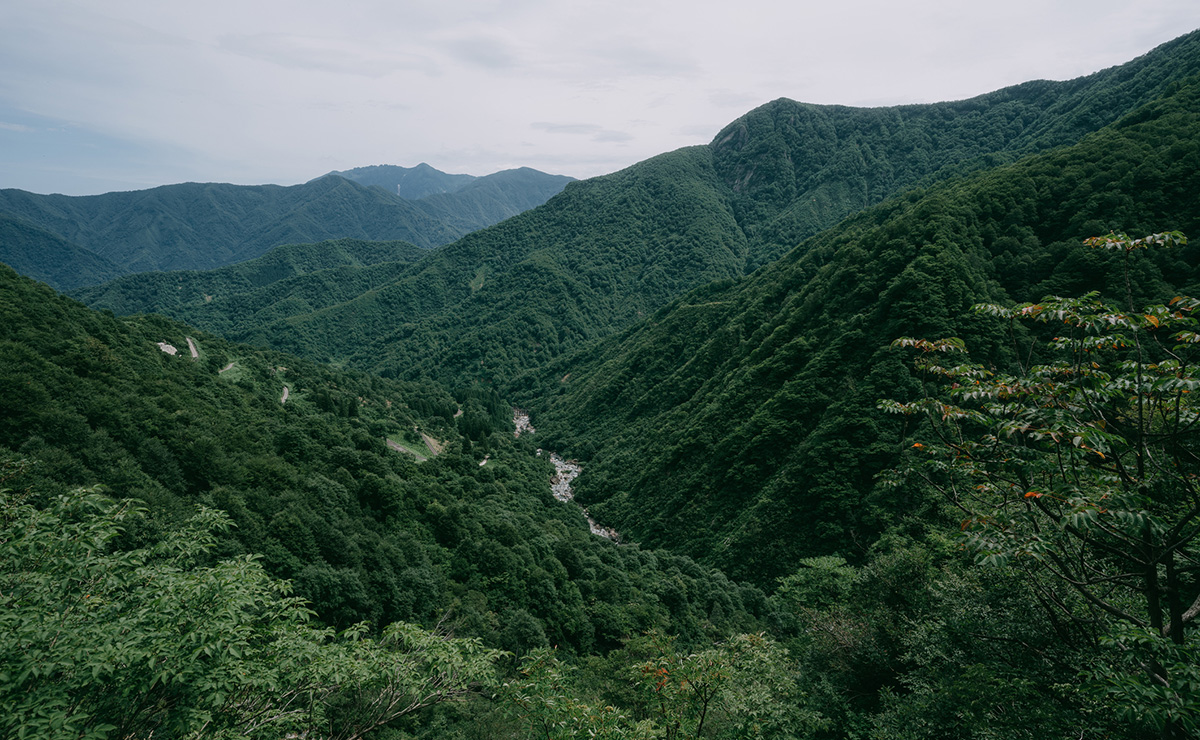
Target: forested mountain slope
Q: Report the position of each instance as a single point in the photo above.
(597, 256)
(796, 169)
(613, 249)
(364, 528)
(291, 275)
(492, 198)
(739, 424)
(195, 226)
(33, 251)
(411, 183)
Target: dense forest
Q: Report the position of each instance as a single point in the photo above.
(286, 279)
(201, 226)
(330, 485)
(744, 404)
(892, 410)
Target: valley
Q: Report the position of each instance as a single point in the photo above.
(847, 426)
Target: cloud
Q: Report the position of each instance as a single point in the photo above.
(324, 55)
(733, 99)
(284, 90)
(487, 52)
(585, 129)
(590, 130)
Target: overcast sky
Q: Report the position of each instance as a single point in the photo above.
(129, 94)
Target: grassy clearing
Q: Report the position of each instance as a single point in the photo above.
(232, 372)
(402, 447)
(477, 281)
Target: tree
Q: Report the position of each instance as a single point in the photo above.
(158, 641)
(1084, 472)
(540, 696)
(744, 687)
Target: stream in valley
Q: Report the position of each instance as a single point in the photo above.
(565, 471)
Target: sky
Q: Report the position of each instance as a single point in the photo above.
(132, 94)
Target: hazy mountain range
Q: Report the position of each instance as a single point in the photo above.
(203, 226)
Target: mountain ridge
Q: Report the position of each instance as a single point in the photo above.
(753, 401)
(610, 250)
(208, 225)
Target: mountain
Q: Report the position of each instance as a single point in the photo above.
(751, 404)
(410, 183)
(464, 200)
(609, 251)
(714, 358)
(324, 474)
(492, 198)
(196, 226)
(293, 275)
(45, 256)
(795, 169)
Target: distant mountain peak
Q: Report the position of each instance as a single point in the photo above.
(424, 180)
(411, 183)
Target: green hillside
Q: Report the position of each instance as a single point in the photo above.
(196, 226)
(744, 405)
(598, 256)
(365, 531)
(492, 198)
(611, 250)
(47, 257)
(796, 169)
(709, 334)
(282, 277)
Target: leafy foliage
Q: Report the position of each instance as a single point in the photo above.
(364, 531)
(101, 643)
(737, 423)
(1084, 467)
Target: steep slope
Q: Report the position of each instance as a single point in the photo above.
(608, 251)
(739, 423)
(283, 276)
(596, 256)
(796, 169)
(365, 531)
(47, 257)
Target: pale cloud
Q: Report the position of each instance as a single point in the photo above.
(590, 130)
(283, 90)
(488, 52)
(732, 99)
(336, 56)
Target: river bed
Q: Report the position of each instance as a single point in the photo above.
(565, 471)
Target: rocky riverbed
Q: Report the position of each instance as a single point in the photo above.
(565, 471)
